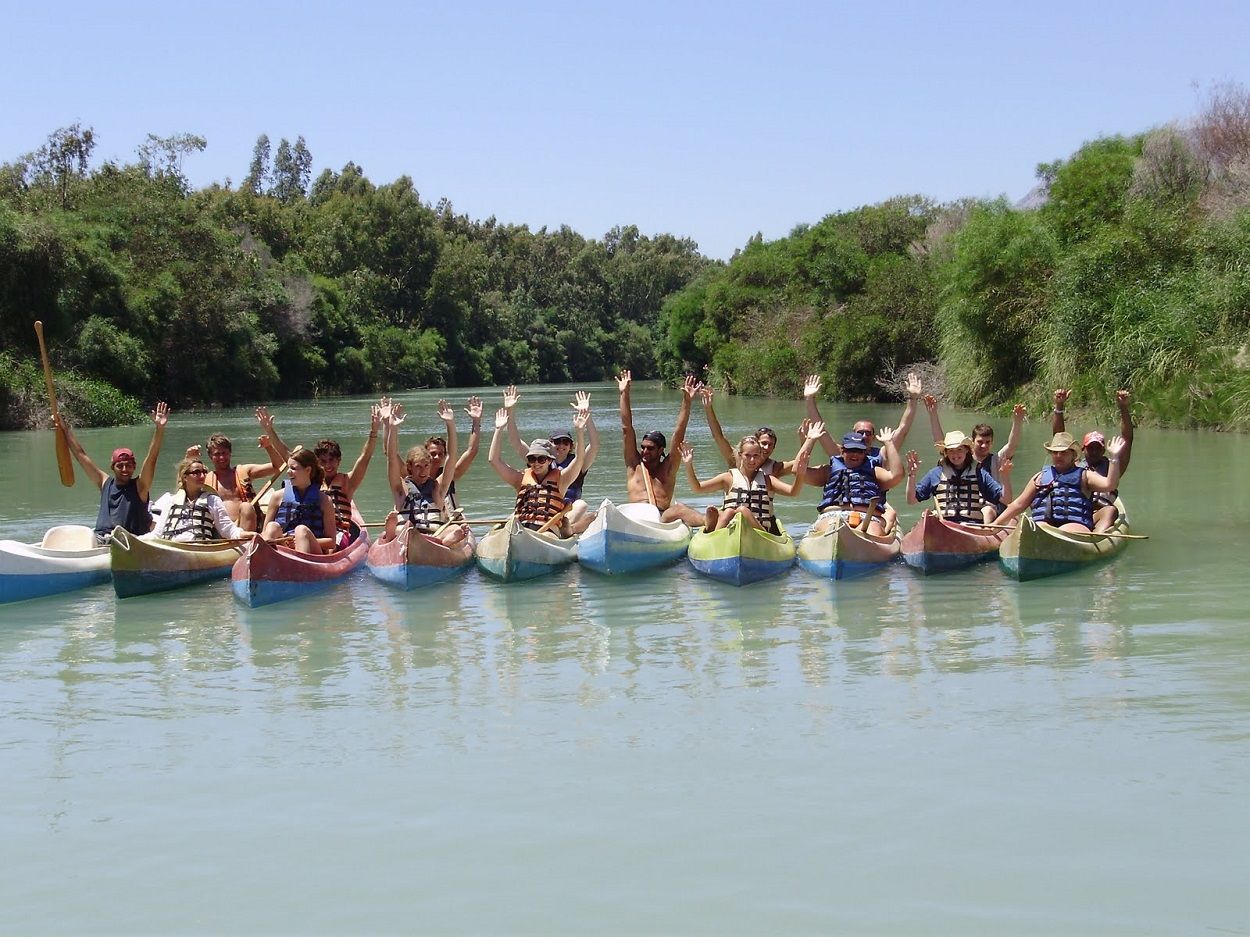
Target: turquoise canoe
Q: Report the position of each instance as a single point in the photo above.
(1034, 550)
(513, 552)
(740, 554)
(837, 550)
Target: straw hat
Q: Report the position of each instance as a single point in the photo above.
(1062, 441)
(953, 440)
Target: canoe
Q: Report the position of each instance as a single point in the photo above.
(141, 565)
(66, 559)
(269, 572)
(841, 551)
(413, 559)
(1033, 550)
(512, 551)
(630, 538)
(741, 554)
(936, 545)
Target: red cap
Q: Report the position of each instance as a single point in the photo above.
(1095, 436)
(122, 454)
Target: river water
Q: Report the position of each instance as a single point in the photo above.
(959, 754)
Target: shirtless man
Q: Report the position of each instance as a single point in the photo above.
(233, 483)
(650, 475)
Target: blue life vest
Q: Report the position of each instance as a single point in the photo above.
(962, 493)
(1060, 498)
(849, 487)
(419, 506)
(574, 491)
(121, 506)
(295, 510)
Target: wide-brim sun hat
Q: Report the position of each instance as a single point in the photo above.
(954, 440)
(541, 447)
(1061, 442)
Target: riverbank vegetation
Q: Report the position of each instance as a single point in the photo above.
(1128, 266)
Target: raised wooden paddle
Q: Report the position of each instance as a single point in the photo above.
(64, 463)
(273, 478)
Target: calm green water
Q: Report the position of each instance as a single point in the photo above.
(959, 755)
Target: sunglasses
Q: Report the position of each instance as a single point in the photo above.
(195, 472)
(536, 459)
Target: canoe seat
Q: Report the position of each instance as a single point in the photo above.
(69, 537)
(641, 512)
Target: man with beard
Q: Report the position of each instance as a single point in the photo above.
(650, 475)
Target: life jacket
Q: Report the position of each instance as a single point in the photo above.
(849, 487)
(189, 516)
(538, 502)
(294, 510)
(574, 491)
(419, 507)
(1060, 498)
(242, 488)
(1103, 468)
(991, 464)
(959, 492)
(342, 505)
(121, 506)
(753, 495)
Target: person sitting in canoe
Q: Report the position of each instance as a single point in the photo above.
(304, 511)
(540, 488)
(233, 483)
(650, 474)
(983, 453)
(1062, 494)
(579, 516)
(193, 512)
(748, 488)
(342, 486)
(123, 496)
(853, 486)
(912, 387)
(1095, 453)
(436, 447)
(964, 491)
(420, 495)
(766, 435)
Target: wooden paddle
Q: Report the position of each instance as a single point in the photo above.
(484, 522)
(64, 463)
(551, 523)
(1100, 533)
(273, 478)
(868, 516)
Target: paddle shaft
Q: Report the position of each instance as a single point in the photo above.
(64, 463)
(553, 521)
(484, 522)
(1100, 533)
(269, 484)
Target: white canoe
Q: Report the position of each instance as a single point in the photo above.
(66, 559)
(630, 538)
(513, 551)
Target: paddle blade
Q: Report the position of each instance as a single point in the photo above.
(64, 463)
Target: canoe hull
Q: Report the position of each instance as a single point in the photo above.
(936, 545)
(839, 551)
(741, 554)
(267, 572)
(615, 543)
(31, 571)
(1035, 551)
(414, 560)
(141, 566)
(513, 552)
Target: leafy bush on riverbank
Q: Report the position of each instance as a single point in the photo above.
(83, 401)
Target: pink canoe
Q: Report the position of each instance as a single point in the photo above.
(936, 545)
(268, 572)
(414, 559)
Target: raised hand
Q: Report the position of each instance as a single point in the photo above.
(623, 380)
(193, 452)
(501, 418)
(384, 407)
(1116, 446)
(913, 385)
(706, 393)
(474, 409)
(262, 442)
(1005, 466)
(1019, 412)
(815, 429)
(375, 418)
(913, 461)
(265, 419)
(397, 414)
(160, 416)
(1121, 398)
(1061, 398)
(803, 427)
(885, 434)
(581, 418)
(581, 401)
(930, 402)
(510, 397)
(811, 385)
(690, 386)
(687, 453)
(445, 412)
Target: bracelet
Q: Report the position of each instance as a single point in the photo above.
(1058, 411)
(373, 435)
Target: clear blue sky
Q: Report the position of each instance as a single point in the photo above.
(707, 120)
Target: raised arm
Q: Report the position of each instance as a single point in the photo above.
(160, 416)
(502, 469)
(814, 432)
(1013, 436)
(278, 451)
(891, 465)
(935, 424)
(913, 388)
(1056, 415)
(448, 416)
(357, 474)
(474, 409)
(629, 442)
(1004, 474)
(581, 402)
(510, 399)
(811, 388)
(93, 471)
(718, 434)
(716, 483)
(569, 475)
(1111, 482)
(913, 466)
(689, 388)
(392, 416)
(1126, 428)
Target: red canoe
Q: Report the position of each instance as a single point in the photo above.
(268, 572)
(936, 545)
